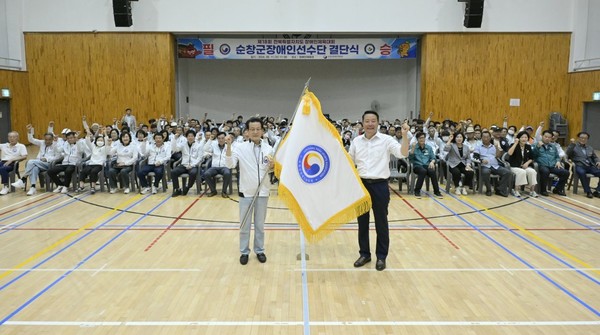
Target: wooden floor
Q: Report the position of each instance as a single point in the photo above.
(133, 264)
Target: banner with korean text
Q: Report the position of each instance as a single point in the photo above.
(297, 49)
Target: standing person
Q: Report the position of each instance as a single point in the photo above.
(254, 158)
(549, 161)
(423, 159)
(129, 119)
(49, 152)
(371, 154)
(12, 152)
(585, 160)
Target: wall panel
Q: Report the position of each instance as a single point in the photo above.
(99, 75)
(18, 84)
(582, 85)
(475, 75)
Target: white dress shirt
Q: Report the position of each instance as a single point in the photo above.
(254, 164)
(372, 156)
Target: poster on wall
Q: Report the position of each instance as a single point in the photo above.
(297, 49)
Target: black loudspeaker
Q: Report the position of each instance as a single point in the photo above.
(473, 13)
(122, 12)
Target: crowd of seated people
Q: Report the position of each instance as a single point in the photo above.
(130, 152)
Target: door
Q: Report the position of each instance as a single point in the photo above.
(4, 120)
(591, 122)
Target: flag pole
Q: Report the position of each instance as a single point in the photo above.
(262, 179)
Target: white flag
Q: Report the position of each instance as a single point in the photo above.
(317, 178)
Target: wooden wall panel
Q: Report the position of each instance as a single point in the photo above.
(99, 75)
(475, 75)
(18, 84)
(582, 85)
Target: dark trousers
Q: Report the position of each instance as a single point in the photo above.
(122, 173)
(159, 171)
(422, 172)
(504, 174)
(91, 171)
(545, 172)
(5, 170)
(380, 199)
(456, 172)
(585, 181)
(178, 171)
(67, 169)
(209, 176)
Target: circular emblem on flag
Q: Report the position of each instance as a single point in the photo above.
(369, 49)
(313, 164)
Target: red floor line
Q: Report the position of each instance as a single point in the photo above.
(27, 204)
(173, 223)
(426, 219)
(570, 203)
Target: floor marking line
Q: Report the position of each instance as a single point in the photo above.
(6, 228)
(27, 204)
(573, 199)
(548, 203)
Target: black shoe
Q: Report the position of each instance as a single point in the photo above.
(438, 195)
(261, 258)
(362, 260)
(590, 195)
(545, 193)
(185, 191)
(240, 194)
(380, 265)
(418, 195)
(498, 192)
(176, 193)
(244, 259)
(488, 193)
(559, 192)
(596, 194)
(211, 194)
(224, 195)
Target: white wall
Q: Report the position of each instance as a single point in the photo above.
(12, 52)
(345, 88)
(402, 16)
(585, 39)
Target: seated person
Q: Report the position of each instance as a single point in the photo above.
(191, 156)
(158, 155)
(488, 154)
(12, 152)
(72, 152)
(586, 162)
(458, 157)
(423, 159)
(521, 164)
(126, 156)
(49, 152)
(549, 161)
(218, 166)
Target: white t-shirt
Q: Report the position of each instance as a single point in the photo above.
(12, 152)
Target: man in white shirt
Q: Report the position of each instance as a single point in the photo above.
(218, 165)
(12, 152)
(371, 154)
(158, 155)
(49, 152)
(255, 160)
(191, 156)
(130, 120)
(72, 152)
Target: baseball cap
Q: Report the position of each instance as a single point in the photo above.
(66, 130)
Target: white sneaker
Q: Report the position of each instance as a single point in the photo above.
(145, 190)
(65, 190)
(126, 190)
(31, 191)
(58, 189)
(457, 191)
(515, 193)
(533, 194)
(113, 191)
(154, 190)
(18, 184)
(4, 190)
(464, 190)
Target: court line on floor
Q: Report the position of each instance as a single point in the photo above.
(569, 209)
(543, 201)
(80, 263)
(517, 257)
(581, 202)
(26, 210)
(66, 239)
(27, 204)
(11, 226)
(426, 220)
(283, 323)
(24, 200)
(564, 253)
(173, 223)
